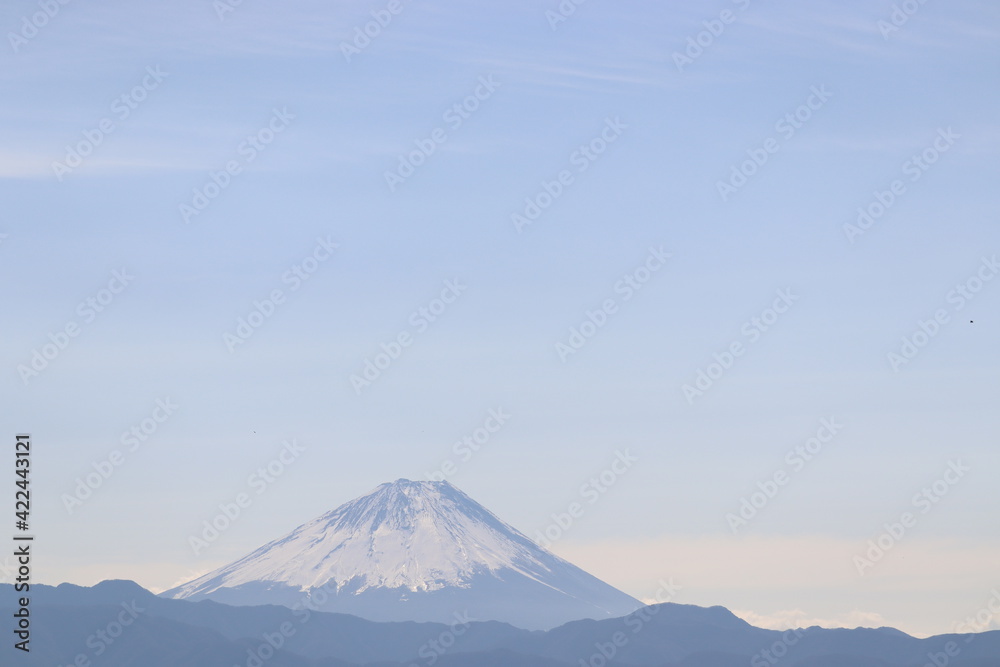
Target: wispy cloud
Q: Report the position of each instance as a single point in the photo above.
(24, 165)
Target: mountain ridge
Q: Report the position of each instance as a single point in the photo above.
(205, 633)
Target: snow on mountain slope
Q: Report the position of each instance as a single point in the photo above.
(413, 551)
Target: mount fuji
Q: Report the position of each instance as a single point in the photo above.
(413, 551)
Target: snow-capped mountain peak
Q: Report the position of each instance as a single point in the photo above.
(408, 538)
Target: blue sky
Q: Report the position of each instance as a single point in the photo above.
(889, 96)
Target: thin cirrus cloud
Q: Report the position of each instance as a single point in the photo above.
(656, 186)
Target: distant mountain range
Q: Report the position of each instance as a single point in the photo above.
(119, 624)
(418, 551)
(431, 579)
